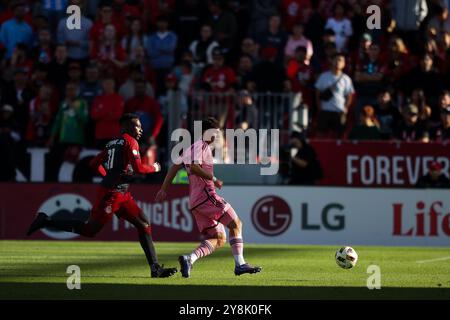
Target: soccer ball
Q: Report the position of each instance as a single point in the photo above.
(346, 257)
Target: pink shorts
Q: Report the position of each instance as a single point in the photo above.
(212, 218)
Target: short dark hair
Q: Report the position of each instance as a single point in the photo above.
(339, 3)
(210, 123)
(337, 55)
(329, 32)
(126, 118)
(445, 93)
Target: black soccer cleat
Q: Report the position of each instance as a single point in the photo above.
(246, 268)
(38, 223)
(161, 272)
(185, 266)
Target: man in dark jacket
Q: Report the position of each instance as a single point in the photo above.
(305, 167)
(434, 178)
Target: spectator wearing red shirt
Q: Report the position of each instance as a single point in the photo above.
(301, 75)
(295, 11)
(106, 18)
(105, 112)
(147, 108)
(109, 53)
(219, 78)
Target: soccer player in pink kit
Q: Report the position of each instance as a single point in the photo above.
(210, 211)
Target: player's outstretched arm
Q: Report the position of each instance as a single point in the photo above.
(136, 162)
(162, 193)
(141, 168)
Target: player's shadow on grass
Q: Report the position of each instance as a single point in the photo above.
(98, 265)
(9, 290)
(109, 265)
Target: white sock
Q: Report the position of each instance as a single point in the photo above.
(193, 257)
(239, 259)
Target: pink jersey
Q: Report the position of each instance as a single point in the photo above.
(200, 190)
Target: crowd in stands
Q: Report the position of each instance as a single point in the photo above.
(66, 89)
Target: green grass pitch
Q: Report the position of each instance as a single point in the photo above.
(118, 270)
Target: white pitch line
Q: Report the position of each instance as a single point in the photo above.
(434, 260)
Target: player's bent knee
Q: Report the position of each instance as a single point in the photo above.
(144, 228)
(221, 240)
(235, 224)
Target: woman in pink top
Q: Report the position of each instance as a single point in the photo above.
(297, 39)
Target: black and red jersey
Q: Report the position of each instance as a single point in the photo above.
(118, 162)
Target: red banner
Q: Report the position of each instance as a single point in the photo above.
(171, 220)
(378, 164)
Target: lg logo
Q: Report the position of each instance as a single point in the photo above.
(271, 216)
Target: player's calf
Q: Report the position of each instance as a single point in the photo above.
(221, 240)
(205, 248)
(237, 248)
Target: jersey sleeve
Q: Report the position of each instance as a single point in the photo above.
(134, 157)
(96, 163)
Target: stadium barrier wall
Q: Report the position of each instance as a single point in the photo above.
(378, 163)
(290, 215)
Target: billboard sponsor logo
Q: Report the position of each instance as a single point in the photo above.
(395, 170)
(271, 215)
(65, 206)
(431, 221)
(173, 214)
(332, 218)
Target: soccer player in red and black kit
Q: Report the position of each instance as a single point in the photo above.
(116, 163)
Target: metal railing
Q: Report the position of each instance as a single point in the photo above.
(241, 110)
(284, 111)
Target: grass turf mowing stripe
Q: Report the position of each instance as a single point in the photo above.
(434, 260)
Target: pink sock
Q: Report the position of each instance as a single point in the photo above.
(205, 248)
(237, 248)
